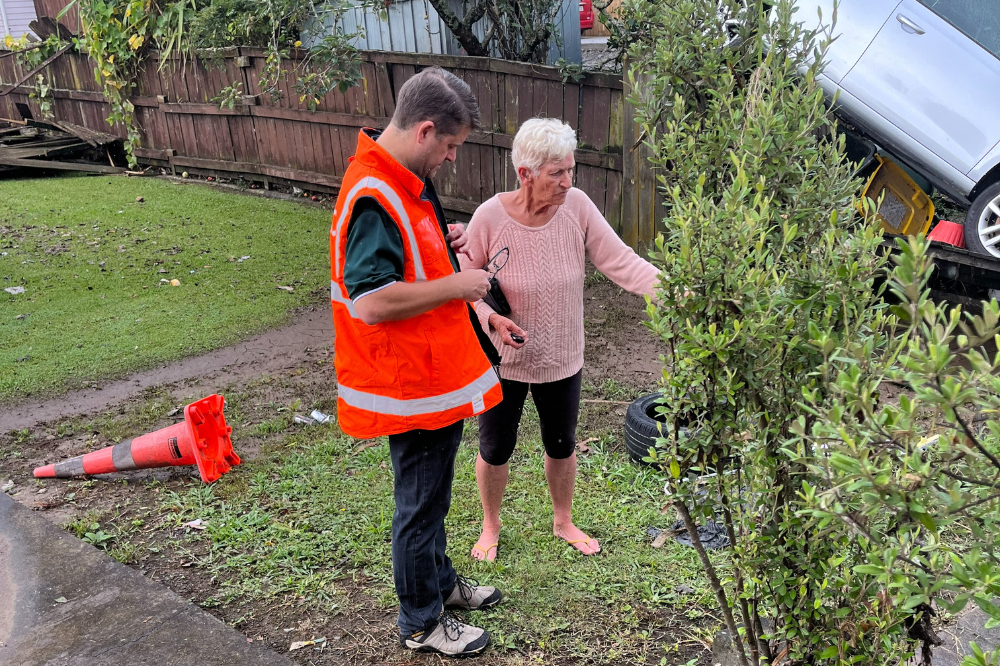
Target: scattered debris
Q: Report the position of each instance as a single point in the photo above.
(583, 447)
(242, 259)
(175, 283)
(37, 144)
(14, 291)
(288, 289)
(303, 420)
(7, 486)
(173, 411)
(684, 589)
(367, 445)
(320, 417)
(296, 191)
(196, 524)
(62, 600)
(298, 645)
(712, 534)
(139, 199)
(661, 539)
(22, 316)
(184, 174)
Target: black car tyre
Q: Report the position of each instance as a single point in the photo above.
(982, 223)
(641, 427)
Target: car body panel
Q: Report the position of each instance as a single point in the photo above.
(932, 100)
(950, 180)
(940, 88)
(858, 21)
(991, 160)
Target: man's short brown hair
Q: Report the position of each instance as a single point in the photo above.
(440, 97)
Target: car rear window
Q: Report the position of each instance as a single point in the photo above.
(979, 19)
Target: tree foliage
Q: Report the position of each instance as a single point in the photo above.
(852, 519)
(517, 30)
(119, 35)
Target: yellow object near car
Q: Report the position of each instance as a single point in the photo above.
(903, 208)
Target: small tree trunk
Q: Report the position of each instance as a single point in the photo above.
(463, 33)
(748, 625)
(713, 580)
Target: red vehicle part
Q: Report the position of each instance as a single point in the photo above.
(586, 14)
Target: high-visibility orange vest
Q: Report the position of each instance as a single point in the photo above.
(426, 372)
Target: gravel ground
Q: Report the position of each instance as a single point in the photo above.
(598, 58)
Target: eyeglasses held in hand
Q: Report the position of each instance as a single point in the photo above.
(498, 261)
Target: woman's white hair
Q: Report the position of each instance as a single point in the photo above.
(540, 141)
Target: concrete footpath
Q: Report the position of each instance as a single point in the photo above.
(66, 603)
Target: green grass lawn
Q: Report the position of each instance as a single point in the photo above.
(92, 261)
(293, 523)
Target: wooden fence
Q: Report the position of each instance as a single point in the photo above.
(282, 141)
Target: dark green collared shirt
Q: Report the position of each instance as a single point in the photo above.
(374, 256)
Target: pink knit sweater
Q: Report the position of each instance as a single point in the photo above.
(543, 280)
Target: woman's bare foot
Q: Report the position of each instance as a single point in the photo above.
(575, 537)
(486, 547)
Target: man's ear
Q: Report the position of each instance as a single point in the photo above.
(425, 131)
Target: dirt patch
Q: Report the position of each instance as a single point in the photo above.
(270, 352)
(618, 347)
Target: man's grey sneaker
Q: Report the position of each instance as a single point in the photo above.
(448, 637)
(468, 594)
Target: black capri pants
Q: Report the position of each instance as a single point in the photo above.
(558, 405)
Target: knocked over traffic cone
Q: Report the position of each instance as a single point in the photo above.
(202, 439)
(951, 233)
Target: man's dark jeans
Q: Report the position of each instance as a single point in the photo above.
(423, 462)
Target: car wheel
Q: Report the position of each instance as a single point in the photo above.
(982, 223)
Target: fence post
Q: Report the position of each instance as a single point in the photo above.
(641, 200)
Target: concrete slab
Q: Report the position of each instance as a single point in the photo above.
(107, 613)
(968, 627)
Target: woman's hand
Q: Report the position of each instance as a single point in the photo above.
(505, 327)
(458, 239)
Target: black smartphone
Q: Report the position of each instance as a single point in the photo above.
(517, 338)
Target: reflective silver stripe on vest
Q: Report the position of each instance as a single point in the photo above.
(369, 182)
(380, 404)
(338, 297)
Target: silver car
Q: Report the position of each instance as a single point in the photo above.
(922, 78)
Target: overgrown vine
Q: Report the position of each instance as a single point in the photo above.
(120, 35)
(30, 55)
(114, 35)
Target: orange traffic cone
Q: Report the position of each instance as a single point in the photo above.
(202, 439)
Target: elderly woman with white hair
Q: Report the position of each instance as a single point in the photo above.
(542, 234)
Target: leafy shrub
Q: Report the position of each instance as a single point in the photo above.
(762, 247)
(853, 519)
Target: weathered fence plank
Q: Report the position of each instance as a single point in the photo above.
(268, 139)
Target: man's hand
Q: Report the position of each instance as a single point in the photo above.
(505, 327)
(458, 239)
(471, 285)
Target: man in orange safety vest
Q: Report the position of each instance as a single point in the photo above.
(410, 359)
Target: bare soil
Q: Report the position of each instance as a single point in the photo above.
(277, 368)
